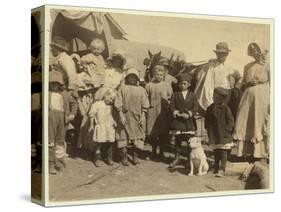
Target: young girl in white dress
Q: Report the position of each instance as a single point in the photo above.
(103, 126)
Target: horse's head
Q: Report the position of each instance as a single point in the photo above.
(179, 66)
(150, 62)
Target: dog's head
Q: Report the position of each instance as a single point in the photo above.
(195, 142)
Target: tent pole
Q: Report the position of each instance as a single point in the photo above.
(77, 46)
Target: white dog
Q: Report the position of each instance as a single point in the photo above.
(197, 157)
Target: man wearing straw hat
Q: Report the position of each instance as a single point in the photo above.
(217, 73)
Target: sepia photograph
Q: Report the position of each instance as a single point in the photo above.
(152, 105)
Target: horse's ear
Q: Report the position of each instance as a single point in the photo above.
(149, 53)
(172, 57)
(159, 53)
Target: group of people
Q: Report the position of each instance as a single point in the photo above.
(104, 106)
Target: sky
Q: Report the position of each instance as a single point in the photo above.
(196, 38)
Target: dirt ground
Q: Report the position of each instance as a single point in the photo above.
(81, 180)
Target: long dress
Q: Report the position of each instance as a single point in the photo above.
(158, 114)
(133, 101)
(252, 122)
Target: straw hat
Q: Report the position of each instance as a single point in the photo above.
(222, 47)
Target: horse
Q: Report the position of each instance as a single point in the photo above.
(175, 67)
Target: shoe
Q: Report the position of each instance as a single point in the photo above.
(135, 159)
(175, 162)
(154, 156)
(97, 160)
(38, 169)
(220, 174)
(162, 156)
(109, 160)
(97, 163)
(52, 170)
(124, 157)
(60, 164)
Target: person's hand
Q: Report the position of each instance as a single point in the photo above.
(70, 118)
(252, 83)
(91, 128)
(185, 115)
(143, 119)
(176, 113)
(123, 118)
(236, 92)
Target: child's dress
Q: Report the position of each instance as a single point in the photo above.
(158, 114)
(133, 101)
(104, 123)
(95, 68)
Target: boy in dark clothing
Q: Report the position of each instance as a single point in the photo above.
(183, 106)
(219, 124)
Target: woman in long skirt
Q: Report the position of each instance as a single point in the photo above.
(252, 122)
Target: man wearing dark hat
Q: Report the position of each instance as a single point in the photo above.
(217, 73)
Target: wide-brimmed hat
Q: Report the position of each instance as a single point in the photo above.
(222, 47)
(133, 71)
(184, 77)
(60, 43)
(56, 76)
(221, 91)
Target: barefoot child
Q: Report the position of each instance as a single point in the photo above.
(103, 126)
(219, 124)
(131, 103)
(158, 117)
(183, 106)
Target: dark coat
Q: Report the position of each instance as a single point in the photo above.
(219, 124)
(184, 106)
